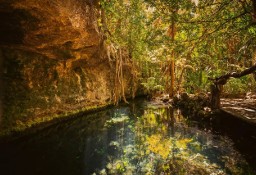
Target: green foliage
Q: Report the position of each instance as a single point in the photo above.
(151, 85)
(235, 87)
(214, 37)
(125, 26)
(239, 87)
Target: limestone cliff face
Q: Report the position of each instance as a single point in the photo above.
(52, 58)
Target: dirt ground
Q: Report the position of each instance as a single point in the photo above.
(244, 108)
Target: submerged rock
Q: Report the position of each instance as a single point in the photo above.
(195, 106)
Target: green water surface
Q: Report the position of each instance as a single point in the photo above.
(139, 138)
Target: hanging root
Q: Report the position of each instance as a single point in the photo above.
(121, 58)
(121, 76)
(119, 90)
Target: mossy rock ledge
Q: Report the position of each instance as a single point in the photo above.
(53, 61)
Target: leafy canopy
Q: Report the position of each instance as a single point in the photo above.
(212, 37)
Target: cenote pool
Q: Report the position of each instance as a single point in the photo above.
(138, 139)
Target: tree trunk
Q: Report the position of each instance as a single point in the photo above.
(172, 63)
(218, 83)
(1, 87)
(254, 10)
(215, 96)
(171, 94)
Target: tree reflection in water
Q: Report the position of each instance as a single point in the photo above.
(161, 141)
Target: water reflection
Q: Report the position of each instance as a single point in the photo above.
(161, 142)
(136, 139)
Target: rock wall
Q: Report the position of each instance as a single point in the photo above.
(53, 58)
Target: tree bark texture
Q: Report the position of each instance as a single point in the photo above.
(1, 87)
(172, 63)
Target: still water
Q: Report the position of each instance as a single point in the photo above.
(135, 139)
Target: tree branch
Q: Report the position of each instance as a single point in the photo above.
(223, 79)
